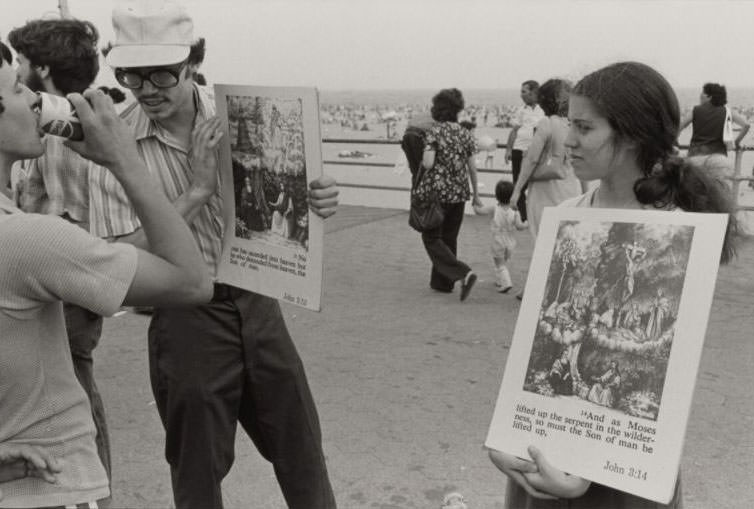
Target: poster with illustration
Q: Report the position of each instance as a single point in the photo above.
(271, 152)
(607, 344)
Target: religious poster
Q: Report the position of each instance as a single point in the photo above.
(272, 244)
(603, 361)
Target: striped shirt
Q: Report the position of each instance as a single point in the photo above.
(111, 213)
(55, 183)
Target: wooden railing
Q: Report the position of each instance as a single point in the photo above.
(736, 179)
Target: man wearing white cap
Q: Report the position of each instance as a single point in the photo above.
(231, 360)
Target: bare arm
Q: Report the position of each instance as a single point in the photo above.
(529, 163)
(509, 144)
(473, 179)
(428, 158)
(173, 272)
(743, 124)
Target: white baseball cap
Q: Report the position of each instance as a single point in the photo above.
(150, 33)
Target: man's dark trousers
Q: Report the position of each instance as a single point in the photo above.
(84, 330)
(230, 361)
(517, 156)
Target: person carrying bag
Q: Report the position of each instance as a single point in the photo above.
(426, 212)
(445, 180)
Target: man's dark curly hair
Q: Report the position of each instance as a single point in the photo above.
(67, 46)
(196, 54)
(446, 105)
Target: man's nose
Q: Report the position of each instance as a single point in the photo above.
(570, 140)
(147, 87)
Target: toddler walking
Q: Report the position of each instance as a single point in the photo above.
(505, 222)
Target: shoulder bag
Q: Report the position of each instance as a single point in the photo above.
(548, 167)
(425, 213)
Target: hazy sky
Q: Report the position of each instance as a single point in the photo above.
(343, 44)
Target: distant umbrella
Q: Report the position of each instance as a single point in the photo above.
(486, 143)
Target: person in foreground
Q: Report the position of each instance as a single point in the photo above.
(231, 360)
(48, 455)
(59, 57)
(624, 122)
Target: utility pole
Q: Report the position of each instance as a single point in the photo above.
(65, 12)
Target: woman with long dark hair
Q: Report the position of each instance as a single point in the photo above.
(449, 167)
(624, 123)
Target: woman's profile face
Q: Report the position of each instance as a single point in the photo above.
(590, 140)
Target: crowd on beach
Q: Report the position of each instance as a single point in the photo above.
(368, 115)
(363, 117)
(132, 215)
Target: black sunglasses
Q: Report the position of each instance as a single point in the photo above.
(160, 77)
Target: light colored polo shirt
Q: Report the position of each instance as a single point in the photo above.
(111, 213)
(46, 260)
(526, 119)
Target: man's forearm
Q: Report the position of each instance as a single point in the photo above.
(511, 140)
(742, 134)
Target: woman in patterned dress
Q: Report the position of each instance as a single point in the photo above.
(449, 167)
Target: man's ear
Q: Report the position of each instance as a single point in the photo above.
(43, 71)
(191, 69)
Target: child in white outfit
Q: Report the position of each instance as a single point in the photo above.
(505, 222)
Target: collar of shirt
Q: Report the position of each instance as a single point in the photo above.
(534, 108)
(144, 127)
